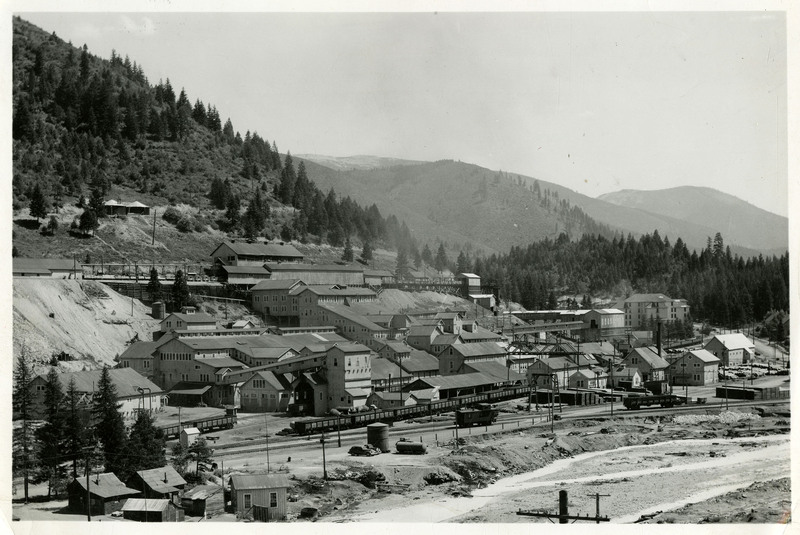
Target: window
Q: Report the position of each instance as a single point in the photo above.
(146, 363)
(273, 499)
(248, 501)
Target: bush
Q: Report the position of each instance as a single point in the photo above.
(185, 224)
(172, 215)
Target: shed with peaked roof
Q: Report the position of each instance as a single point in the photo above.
(106, 493)
(261, 490)
(152, 510)
(204, 500)
(163, 482)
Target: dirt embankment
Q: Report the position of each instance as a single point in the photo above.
(481, 460)
(85, 319)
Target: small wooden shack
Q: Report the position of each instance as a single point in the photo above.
(264, 492)
(147, 510)
(188, 436)
(204, 500)
(162, 482)
(106, 492)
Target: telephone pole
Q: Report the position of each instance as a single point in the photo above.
(563, 515)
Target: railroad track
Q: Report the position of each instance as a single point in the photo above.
(506, 422)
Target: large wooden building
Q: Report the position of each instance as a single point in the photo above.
(351, 275)
(239, 253)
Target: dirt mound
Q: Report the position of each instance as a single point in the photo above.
(768, 502)
(85, 319)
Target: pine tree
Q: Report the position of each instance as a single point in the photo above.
(462, 263)
(38, 206)
(22, 402)
(427, 255)
(154, 285)
(88, 221)
(366, 251)
(51, 434)
(401, 269)
(200, 453)
(440, 262)
(145, 444)
(109, 426)
(52, 226)
(232, 216)
(347, 255)
(180, 291)
(76, 426)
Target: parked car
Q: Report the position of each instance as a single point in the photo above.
(367, 450)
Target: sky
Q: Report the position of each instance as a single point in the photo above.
(596, 102)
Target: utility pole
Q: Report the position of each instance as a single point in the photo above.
(597, 497)
(154, 228)
(88, 493)
(324, 466)
(266, 435)
(563, 515)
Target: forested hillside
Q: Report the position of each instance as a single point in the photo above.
(86, 130)
(709, 208)
(722, 288)
(469, 207)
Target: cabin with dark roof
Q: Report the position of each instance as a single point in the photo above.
(164, 482)
(204, 500)
(106, 494)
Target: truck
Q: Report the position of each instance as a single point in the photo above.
(664, 400)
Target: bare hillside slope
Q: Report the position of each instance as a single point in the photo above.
(86, 319)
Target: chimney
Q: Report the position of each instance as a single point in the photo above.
(165, 477)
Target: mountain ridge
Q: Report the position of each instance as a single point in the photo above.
(771, 237)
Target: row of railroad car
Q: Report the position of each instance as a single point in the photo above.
(204, 425)
(345, 421)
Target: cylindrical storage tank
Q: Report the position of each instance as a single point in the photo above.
(159, 309)
(378, 436)
(414, 448)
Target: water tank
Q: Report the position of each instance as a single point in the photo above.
(159, 309)
(378, 436)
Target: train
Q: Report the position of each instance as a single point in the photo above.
(361, 419)
(203, 425)
(665, 400)
(477, 416)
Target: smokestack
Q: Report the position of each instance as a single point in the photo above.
(658, 339)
